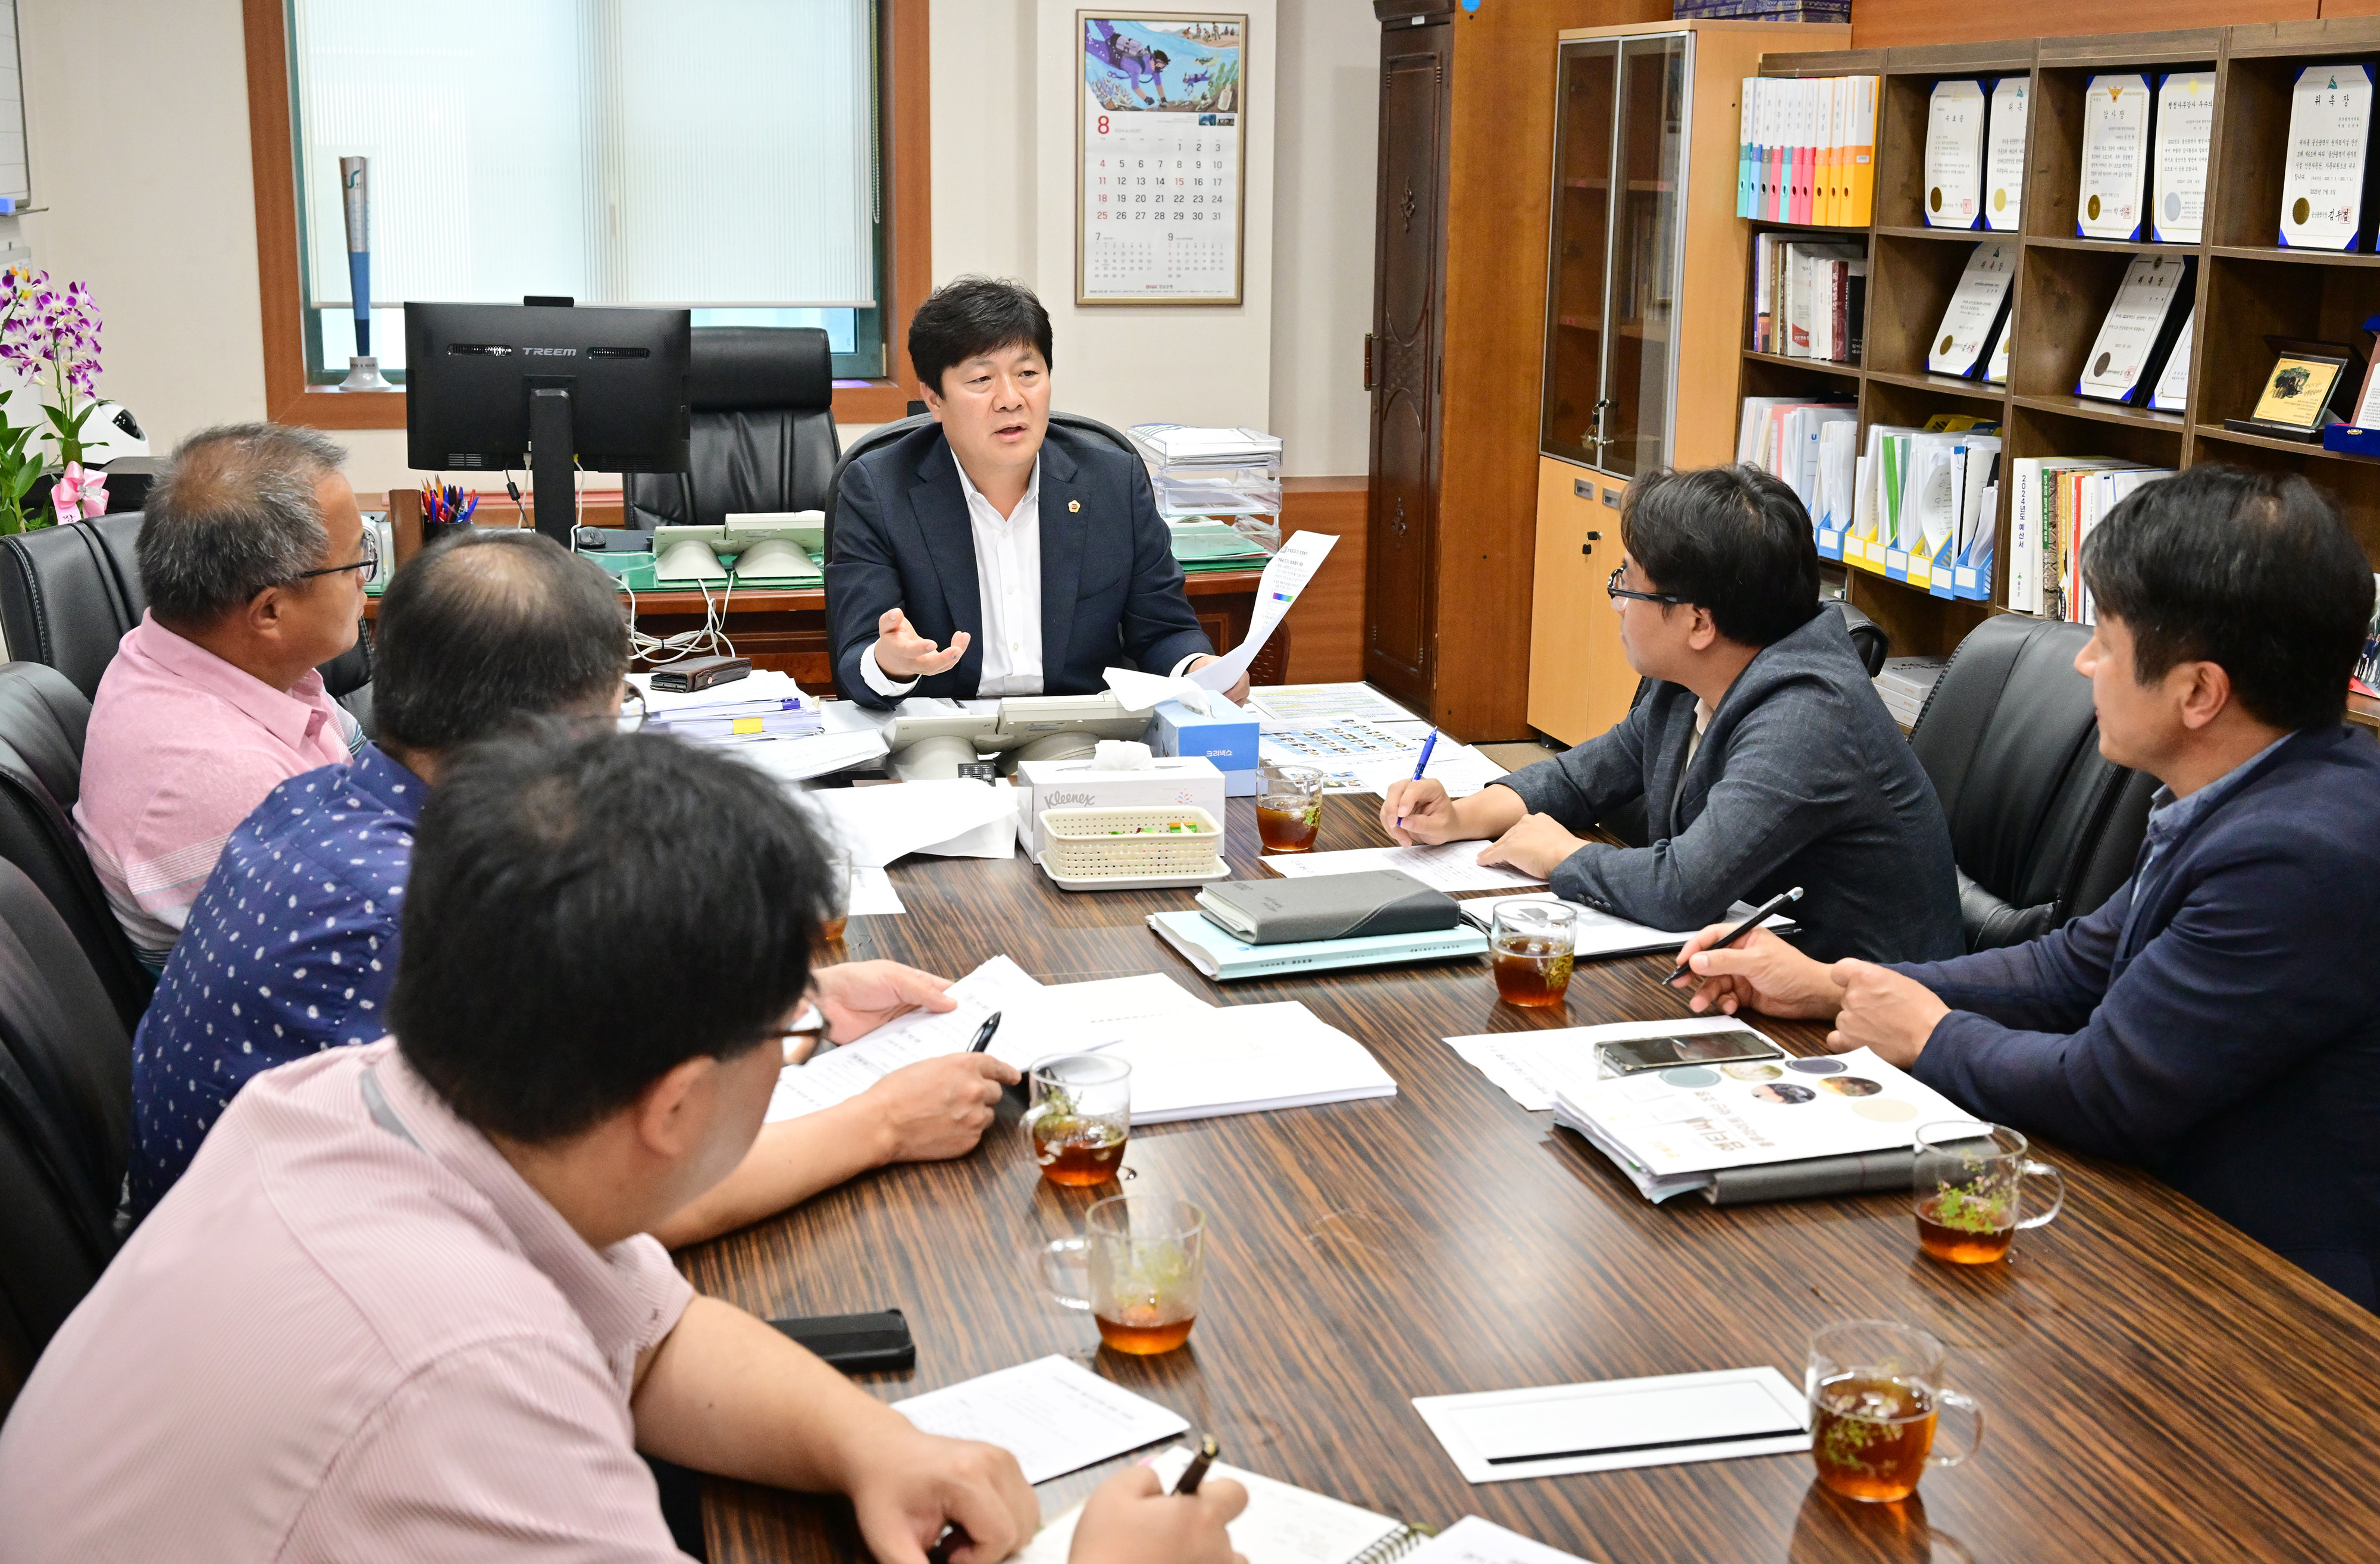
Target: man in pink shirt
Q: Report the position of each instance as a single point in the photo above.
(403, 1307)
(253, 559)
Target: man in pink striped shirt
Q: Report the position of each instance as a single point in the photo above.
(401, 1306)
(254, 560)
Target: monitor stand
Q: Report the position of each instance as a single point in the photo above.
(552, 454)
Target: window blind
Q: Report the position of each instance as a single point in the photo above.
(699, 153)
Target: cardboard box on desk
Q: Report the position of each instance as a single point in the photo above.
(1172, 782)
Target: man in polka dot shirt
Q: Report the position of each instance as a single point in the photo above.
(291, 947)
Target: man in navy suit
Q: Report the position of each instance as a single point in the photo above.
(990, 555)
(2217, 1021)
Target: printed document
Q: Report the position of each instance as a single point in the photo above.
(1052, 1414)
(1282, 1524)
(1285, 575)
(1450, 866)
(840, 1074)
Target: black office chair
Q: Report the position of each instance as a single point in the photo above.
(763, 433)
(1868, 638)
(67, 595)
(42, 721)
(2043, 828)
(884, 433)
(65, 1127)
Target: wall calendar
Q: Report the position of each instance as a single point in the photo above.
(1159, 179)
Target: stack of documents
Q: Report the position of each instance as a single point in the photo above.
(1925, 510)
(1766, 1130)
(1211, 471)
(1904, 684)
(1207, 947)
(1201, 545)
(762, 704)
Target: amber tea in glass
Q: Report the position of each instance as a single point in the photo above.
(1876, 1399)
(1289, 808)
(1136, 1270)
(1970, 1187)
(1530, 948)
(1079, 1117)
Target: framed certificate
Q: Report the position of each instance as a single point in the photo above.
(2185, 131)
(2130, 349)
(2329, 149)
(1161, 157)
(2004, 154)
(1954, 155)
(1978, 305)
(2115, 157)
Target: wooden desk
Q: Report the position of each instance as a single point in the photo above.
(2156, 1385)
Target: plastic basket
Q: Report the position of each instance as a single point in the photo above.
(1082, 843)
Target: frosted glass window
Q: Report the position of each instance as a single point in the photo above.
(713, 154)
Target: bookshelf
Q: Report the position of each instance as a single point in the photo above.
(2248, 287)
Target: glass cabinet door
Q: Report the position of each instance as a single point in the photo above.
(1618, 169)
(1587, 94)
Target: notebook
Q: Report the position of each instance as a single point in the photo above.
(1208, 947)
(1282, 1524)
(1385, 901)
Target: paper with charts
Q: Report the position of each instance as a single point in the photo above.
(1450, 866)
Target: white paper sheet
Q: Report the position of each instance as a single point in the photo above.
(879, 824)
(1294, 706)
(1052, 1414)
(1282, 1524)
(1604, 1426)
(821, 754)
(1457, 768)
(873, 895)
(1071, 1016)
(1244, 1058)
(1285, 575)
(1146, 692)
(840, 1074)
(1476, 1540)
(1450, 866)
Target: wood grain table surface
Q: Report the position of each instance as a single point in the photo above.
(2155, 1385)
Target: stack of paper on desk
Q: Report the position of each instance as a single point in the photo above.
(879, 825)
(1245, 1059)
(762, 704)
(1450, 866)
(1779, 1129)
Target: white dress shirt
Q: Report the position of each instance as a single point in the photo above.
(1008, 587)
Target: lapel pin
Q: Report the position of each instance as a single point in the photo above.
(1073, 504)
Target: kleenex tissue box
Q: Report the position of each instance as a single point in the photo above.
(1170, 782)
(1228, 739)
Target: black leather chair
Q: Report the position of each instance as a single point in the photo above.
(884, 432)
(67, 595)
(763, 430)
(1868, 638)
(66, 1126)
(2043, 829)
(42, 721)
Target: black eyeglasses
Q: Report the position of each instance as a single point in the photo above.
(368, 564)
(1615, 590)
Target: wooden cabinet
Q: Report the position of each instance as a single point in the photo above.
(1643, 297)
(1466, 98)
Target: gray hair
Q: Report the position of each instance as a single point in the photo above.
(234, 514)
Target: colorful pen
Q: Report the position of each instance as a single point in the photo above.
(1422, 765)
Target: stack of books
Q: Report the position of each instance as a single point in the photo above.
(762, 704)
(1809, 297)
(1211, 471)
(2056, 503)
(1904, 684)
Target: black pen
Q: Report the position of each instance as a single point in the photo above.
(1195, 1472)
(1757, 918)
(983, 1037)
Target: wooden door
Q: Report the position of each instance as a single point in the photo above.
(1580, 683)
(1407, 293)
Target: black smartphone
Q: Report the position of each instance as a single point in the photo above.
(1732, 1046)
(857, 1343)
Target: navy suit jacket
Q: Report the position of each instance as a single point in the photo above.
(2217, 1023)
(1110, 592)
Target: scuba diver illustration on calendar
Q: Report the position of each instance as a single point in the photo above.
(1125, 62)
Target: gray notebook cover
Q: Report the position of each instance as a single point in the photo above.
(1379, 901)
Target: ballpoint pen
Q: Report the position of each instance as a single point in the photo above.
(1195, 1472)
(983, 1037)
(1759, 916)
(1422, 765)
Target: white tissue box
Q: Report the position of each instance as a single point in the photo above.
(1170, 782)
(1240, 784)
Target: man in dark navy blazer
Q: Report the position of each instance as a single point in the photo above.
(2217, 1021)
(989, 554)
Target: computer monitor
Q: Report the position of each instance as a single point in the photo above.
(490, 388)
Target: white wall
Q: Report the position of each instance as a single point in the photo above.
(152, 201)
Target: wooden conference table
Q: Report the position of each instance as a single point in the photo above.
(2155, 1385)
